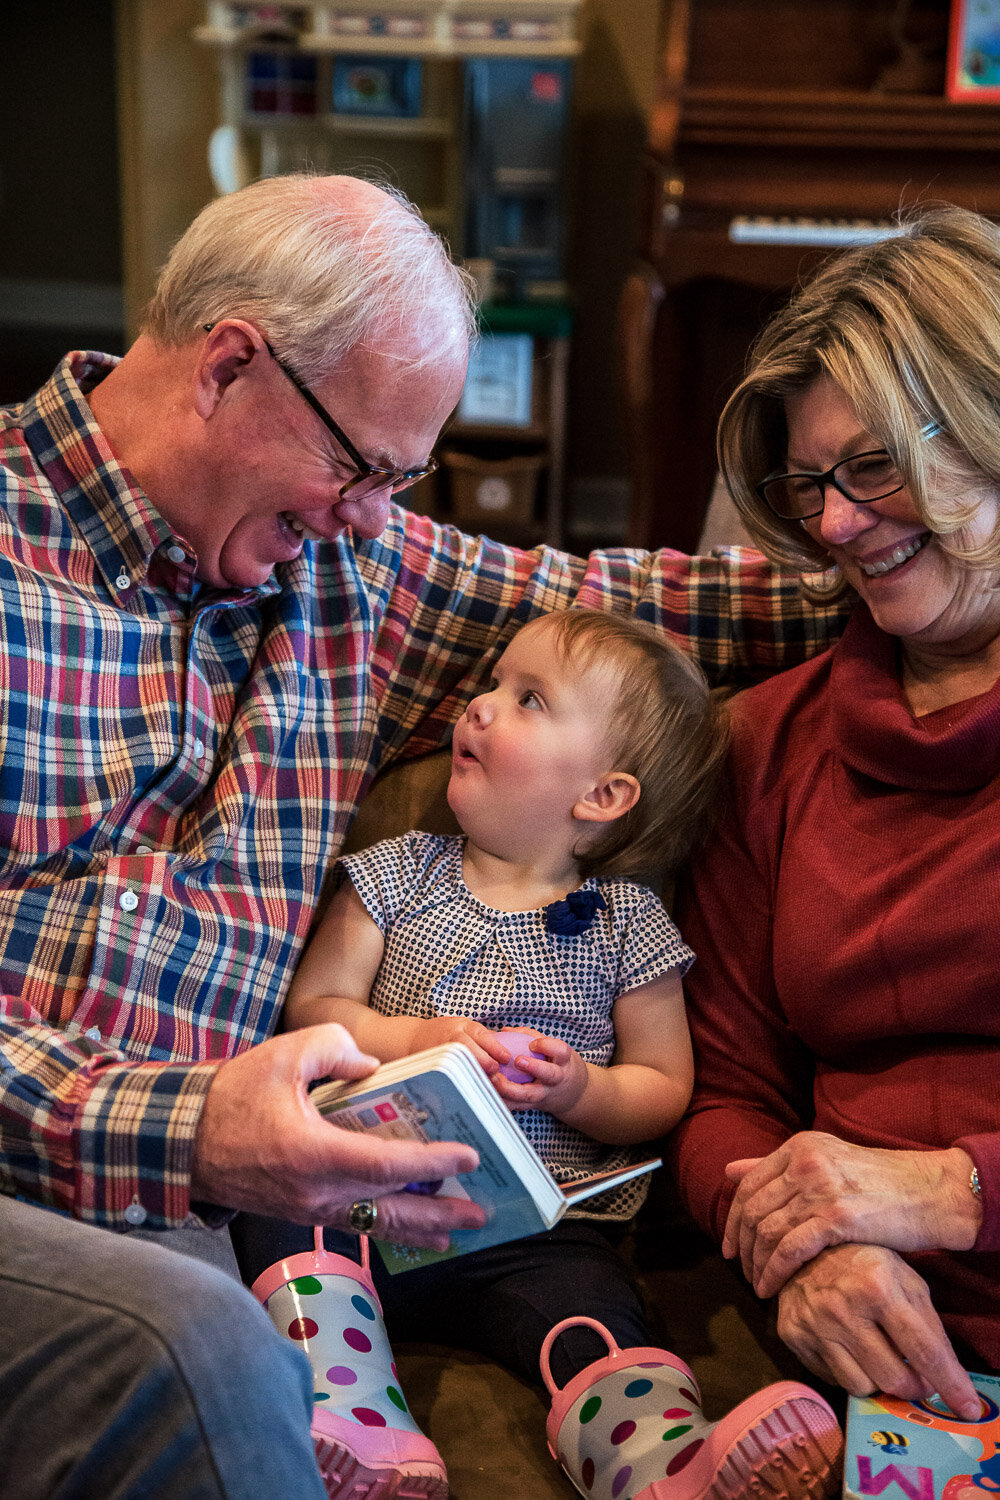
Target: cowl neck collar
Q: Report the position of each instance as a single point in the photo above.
(954, 749)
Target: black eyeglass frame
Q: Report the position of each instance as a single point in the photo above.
(394, 479)
(829, 476)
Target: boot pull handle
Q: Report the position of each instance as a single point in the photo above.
(554, 1333)
(320, 1248)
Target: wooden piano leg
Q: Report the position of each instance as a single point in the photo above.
(641, 299)
(683, 347)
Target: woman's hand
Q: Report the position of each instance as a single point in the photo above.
(860, 1317)
(558, 1076)
(815, 1191)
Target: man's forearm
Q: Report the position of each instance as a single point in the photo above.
(86, 1132)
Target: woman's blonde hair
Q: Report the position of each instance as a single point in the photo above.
(318, 277)
(909, 329)
(666, 729)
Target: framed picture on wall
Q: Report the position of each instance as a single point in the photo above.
(973, 72)
(497, 388)
(377, 86)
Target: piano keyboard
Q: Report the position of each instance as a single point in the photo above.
(758, 230)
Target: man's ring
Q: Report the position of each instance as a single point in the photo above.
(363, 1216)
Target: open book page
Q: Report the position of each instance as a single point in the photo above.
(442, 1094)
(576, 1192)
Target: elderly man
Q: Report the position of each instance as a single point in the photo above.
(216, 630)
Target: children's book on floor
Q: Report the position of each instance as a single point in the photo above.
(443, 1094)
(920, 1450)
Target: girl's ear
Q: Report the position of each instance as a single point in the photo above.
(613, 795)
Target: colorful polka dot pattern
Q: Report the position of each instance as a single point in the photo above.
(630, 1430)
(683, 1458)
(302, 1328)
(340, 1328)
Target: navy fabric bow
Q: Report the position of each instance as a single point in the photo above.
(574, 915)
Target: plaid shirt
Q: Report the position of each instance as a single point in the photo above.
(180, 765)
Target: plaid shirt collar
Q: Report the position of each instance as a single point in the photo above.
(122, 529)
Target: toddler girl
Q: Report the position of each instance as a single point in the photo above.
(593, 756)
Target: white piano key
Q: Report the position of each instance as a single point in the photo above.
(759, 230)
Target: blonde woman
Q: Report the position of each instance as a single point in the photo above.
(843, 1009)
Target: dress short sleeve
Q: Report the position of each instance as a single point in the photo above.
(651, 944)
(386, 873)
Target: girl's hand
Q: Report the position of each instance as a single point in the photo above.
(558, 1075)
(484, 1044)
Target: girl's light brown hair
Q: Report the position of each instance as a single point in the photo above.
(909, 328)
(665, 728)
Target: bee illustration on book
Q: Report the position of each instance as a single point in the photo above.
(890, 1442)
(979, 1439)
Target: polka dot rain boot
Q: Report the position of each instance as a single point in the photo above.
(630, 1427)
(367, 1444)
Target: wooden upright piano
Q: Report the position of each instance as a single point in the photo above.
(782, 128)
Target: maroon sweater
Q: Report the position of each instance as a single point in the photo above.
(846, 920)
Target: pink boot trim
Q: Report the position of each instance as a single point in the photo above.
(783, 1443)
(314, 1263)
(376, 1463)
(633, 1418)
(363, 1456)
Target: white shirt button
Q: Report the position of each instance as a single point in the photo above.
(122, 582)
(128, 900)
(143, 848)
(135, 1214)
(177, 554)
(199, 749)
(94, 1032)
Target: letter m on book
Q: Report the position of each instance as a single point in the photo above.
(917, 1483)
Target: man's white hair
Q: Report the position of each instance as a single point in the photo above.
(321, 265)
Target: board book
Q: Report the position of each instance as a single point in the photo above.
(443, 1094)
(919, 1450)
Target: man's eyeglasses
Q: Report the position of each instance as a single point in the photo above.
(369, 479)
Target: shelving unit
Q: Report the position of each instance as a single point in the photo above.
(300, 122)
(409, 90)
(507, 478)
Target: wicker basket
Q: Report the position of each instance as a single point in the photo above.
(492, 490)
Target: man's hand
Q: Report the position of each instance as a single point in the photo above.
(261, 1145)
(815, 1191)
(860, 1317)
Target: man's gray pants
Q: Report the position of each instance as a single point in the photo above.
(127, 1370)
